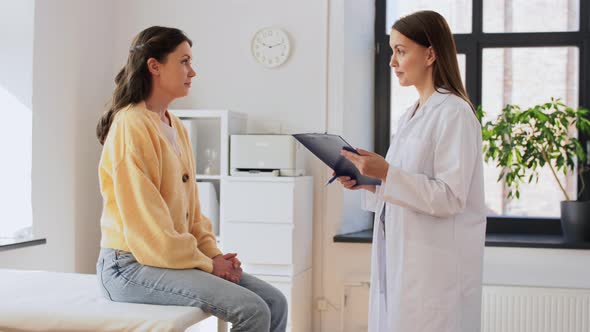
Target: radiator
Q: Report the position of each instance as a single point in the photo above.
(535, 309)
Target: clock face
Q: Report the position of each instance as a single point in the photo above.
(271, 47)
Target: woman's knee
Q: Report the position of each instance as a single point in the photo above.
(279, 302)
(254, 312)
(257, 307)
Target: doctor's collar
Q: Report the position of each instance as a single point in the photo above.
(439, 95)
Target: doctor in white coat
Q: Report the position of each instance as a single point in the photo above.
(430, 219)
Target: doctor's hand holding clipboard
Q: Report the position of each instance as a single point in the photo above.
(369, 164)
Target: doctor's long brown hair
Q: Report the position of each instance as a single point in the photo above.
(430, 29)
(134, 82)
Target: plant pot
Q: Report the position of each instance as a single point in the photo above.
(575, 221)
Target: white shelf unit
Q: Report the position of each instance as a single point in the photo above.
(210, 130)
(268, 222)
(207, 177)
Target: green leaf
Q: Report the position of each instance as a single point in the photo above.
(479, 113)
(560, 161)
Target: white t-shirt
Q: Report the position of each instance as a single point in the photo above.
(170, 133)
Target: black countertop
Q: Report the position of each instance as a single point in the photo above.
(492, 240)
(503, 232)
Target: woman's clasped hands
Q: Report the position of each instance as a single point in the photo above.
(228, 267)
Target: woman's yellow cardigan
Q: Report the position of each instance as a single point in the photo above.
(150, 199)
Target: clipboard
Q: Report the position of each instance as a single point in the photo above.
(327, 148)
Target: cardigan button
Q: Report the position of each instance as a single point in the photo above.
(185, 178)
(187, 216)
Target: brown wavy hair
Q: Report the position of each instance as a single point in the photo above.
(133, 83)
(429, 29)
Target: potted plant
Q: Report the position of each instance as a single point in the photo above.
(523, 141)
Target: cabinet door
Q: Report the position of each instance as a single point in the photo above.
(258, 202)
(297, 291)
(285, 286)
(259, 243)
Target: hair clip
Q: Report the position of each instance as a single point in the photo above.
(136, 48)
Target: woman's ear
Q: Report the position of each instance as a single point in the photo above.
(430, 56)
(153, 66)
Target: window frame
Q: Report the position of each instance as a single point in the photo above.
(472, 45)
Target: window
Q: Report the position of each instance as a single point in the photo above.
(16, 147)
(528, 76)
(531, 16)
(510, 51)
(453, 11)
(16, 84)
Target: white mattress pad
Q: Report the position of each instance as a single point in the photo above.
(51, 301)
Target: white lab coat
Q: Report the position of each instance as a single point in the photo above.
(426, 268)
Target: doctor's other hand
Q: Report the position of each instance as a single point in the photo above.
(368, 163)
(350, 184)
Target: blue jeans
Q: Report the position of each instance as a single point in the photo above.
(252, 305)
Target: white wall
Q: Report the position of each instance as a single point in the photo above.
(16, 86)
(95, 40)
(537, 267)
(70, 86)
(227, 75)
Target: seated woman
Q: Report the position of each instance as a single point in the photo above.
(156, 246)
